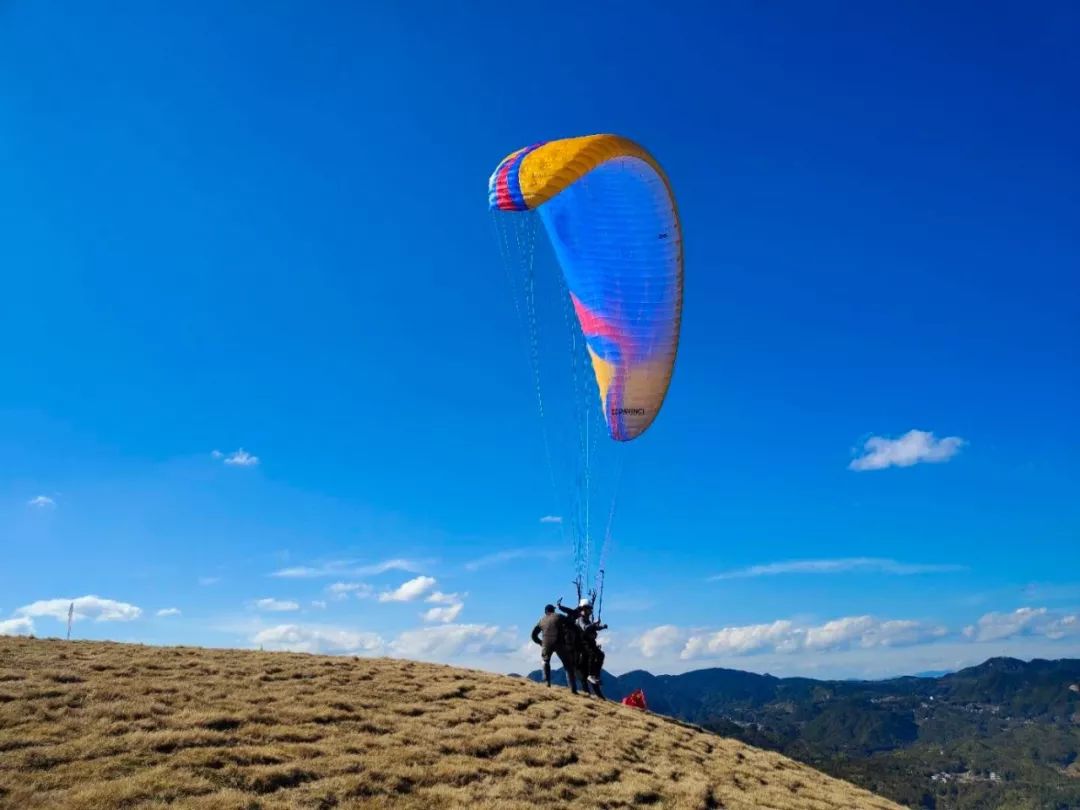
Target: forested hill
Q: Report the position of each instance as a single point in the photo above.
(1003, 734)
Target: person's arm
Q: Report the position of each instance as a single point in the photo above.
(536, 635)
(571, 612)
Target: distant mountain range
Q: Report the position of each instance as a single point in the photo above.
(1003, 734)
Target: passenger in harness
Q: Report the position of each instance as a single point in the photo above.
(589, 657)
(593, 663)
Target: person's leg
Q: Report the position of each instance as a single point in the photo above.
(545, 656)
(583, 665)
(568, 667)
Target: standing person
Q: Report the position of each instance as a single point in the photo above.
(555, 635)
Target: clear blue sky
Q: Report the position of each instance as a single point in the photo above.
(265, 227)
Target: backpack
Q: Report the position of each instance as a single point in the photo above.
(636, 699)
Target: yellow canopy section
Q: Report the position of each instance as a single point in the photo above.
(530, 177)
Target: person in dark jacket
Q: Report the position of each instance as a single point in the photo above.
(588, 656)
(555, 635)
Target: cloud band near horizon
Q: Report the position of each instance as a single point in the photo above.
(843, 565)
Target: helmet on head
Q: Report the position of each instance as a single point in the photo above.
(584, 603)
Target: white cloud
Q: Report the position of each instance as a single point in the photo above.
(781, 636)
(913, 447)
(551, 519)
(318, 639)
(207, 581)
(453, 640)
(1024, 621)
(240, 458)
(17, 627)
(869, 565)
(866, 631)
(347, 568)
(660, 640)
(867, 645)
(341, 590)
(41, 502)
(845, 648)
(528, 654)
(169, 612)
(443, 614)
(784, 637)
(277, 605)
(301, 572)
(1065, 626)
(398, 564)
(318, 604)
(86, 607)
(452, 605)
(440, 598)
(409, 591)
(513, 554)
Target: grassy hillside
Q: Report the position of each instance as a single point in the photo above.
(97, 725)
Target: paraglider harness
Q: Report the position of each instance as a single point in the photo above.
(590, 655)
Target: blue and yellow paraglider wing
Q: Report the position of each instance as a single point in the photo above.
(609, 212)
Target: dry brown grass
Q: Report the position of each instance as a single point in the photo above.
(90, 726)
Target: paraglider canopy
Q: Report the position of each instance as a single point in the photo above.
(603, 327)
(611, 217)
